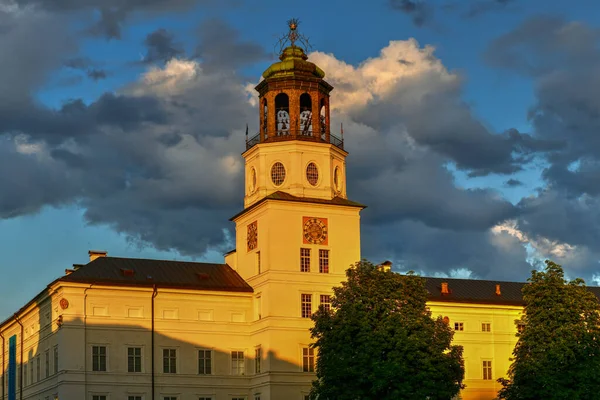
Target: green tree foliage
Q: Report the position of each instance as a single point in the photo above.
(380, 342)
(557, 355)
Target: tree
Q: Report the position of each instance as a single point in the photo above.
(380, 342)
(557, 355)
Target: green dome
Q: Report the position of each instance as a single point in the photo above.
(293, 63)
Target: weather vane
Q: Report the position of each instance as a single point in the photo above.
(293, 36)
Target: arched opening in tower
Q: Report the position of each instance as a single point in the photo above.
(265, 122)
(322, 119)
(282, 113)
(305, 114)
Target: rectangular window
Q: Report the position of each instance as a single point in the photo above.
(256, 397)
(304, 260)
(38, 368)
(324, 261)
(204, 362)
(47, 363)
(459, 326)
(134, 397)
(204, 398)
(98, 358)
(308, 359)
(486, 327)
(25, 373)
(257, 359)
(238, 398)
(31, 370)
(55, 359)
(306, 305)
(258, 262)
(326, 301)
(487, 370)
(237, 363)
(98, 397)
(170, 398)
(170, 361)
(134, 359)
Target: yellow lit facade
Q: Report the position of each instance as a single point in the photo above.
(150, 329)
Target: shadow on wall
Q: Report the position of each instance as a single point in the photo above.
(63, 357)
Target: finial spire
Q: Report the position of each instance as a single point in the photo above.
(293, 37)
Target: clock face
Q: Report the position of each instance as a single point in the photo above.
(252, 235)
(315, 230)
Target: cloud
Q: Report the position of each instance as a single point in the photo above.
(161, 46)
(420, 11)
(112, 14)
(480, 7)
(562, 58)
(220, 47)
(513, 183)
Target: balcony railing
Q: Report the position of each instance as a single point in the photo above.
(283, 136)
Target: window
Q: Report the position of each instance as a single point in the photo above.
(258, 262)
(25, 373)
(98, 358)
(257, 397)
(486, 327)
(99, 397)
(238, 398)
(306, 305)
(56, 359)
(324, 261)
(308, 360)
(257, 359)
(47, 363)
(134, 359)
(487, 370)
(169, 361)
(237, 363)
(304, 260)
(31, 370)
(277, 174)
(326, 301)
(204, 362)
(204, 398)
(170, 398)
(134, 397)
(38, 367)
(459, 326)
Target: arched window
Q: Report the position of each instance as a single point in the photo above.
(265, 119)
(282, 114)
(305, 114)
(322, 120)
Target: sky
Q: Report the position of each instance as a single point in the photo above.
(472, 129)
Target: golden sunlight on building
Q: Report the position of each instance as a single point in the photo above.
(133, 329)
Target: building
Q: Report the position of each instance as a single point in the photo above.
(133, 329)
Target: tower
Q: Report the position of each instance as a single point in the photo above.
(298, 232)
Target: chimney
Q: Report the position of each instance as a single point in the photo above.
(77, 266)
(385, 266)
(96, 254)
(69, 271)
(445, 289)
(498, 292)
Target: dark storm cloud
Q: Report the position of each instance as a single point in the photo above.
(96, 74)
(221, 47)
(161, 46)
(513, 183)
(479, 7)
(563, 59)
(420, 11)
(113, 13)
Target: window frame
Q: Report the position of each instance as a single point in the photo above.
(306, 305)
(141, 358)
(235, 368)
(105, 355)
(305, 254)
(175, 364)
(458, 325)
(486, 326)
(327, 304)
(210, 361)
(324, 258)
(486, 370)
(308, 359)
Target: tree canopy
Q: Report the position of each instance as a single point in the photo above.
(379, 341)
(557, 355)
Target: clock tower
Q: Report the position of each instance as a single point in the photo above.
(298, 232)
